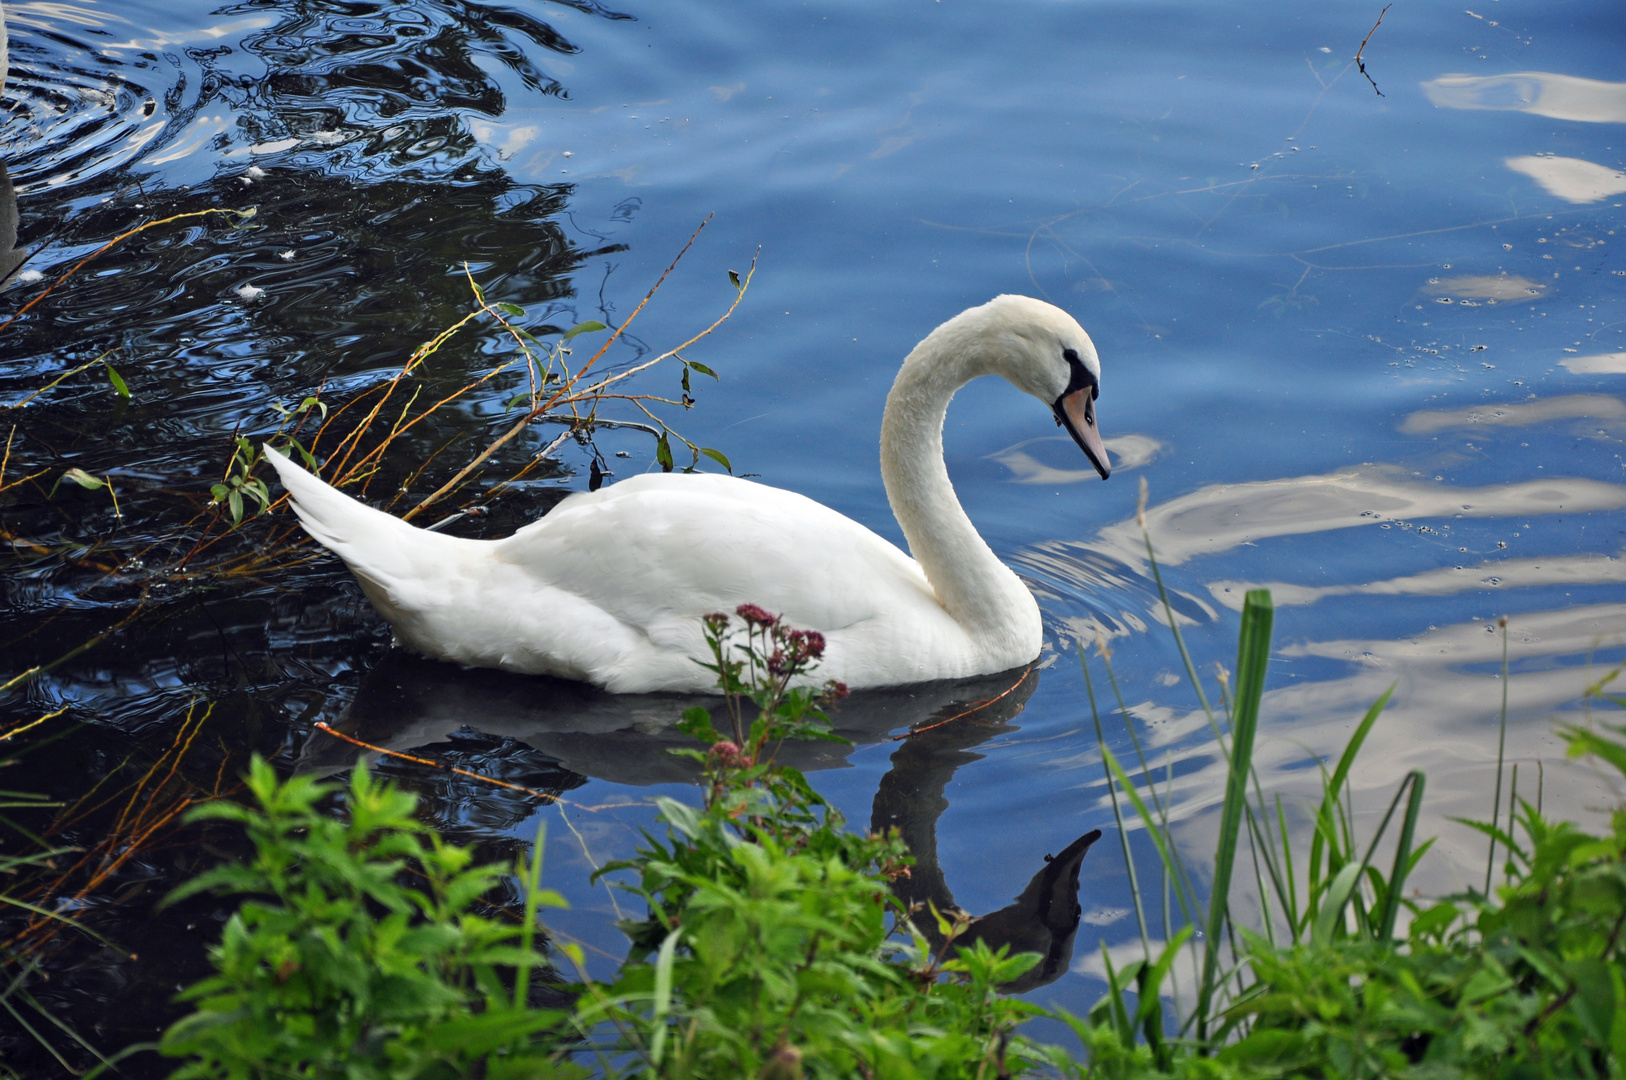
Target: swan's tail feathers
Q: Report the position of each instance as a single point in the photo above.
(394, 561)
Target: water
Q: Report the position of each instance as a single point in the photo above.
(1365, 349)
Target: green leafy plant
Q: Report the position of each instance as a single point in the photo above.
(239, 481)
(773, 946)
(1525, 982)
(359, 948)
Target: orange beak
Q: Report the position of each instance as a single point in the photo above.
(1076, 412)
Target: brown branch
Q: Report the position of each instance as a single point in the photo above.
(981, 705)
(325, 728)
(564, 390)
(117, 239)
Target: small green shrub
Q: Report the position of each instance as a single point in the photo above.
(357, 951)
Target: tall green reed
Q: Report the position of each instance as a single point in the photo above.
(1338, 892)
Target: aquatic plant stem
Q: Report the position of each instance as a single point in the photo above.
(532, 869)
(82, 263)
(329, 730)
(526, 420)
(1117, 811)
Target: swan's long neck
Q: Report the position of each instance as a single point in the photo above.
(974, 587)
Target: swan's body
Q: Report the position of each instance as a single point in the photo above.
(610, 586)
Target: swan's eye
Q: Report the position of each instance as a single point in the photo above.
(1079, 376)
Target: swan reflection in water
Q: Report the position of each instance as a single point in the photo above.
(407, 703)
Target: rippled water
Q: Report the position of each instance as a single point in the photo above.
(1366, 349)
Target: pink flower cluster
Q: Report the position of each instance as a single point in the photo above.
(728, 754)
(756, 616)
(796, 649)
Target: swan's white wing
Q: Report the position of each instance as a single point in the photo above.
(693, 544)
(654, 553)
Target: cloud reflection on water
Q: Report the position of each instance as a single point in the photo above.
(1544, 93)
(1571, 179)
(1445, 580)
(1220, 517)
(1597, 364)
(1442, 718)
(1126, 451)
(1516, 414)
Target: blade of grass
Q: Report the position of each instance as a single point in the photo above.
(1175, 863)
(1402, 865)
(1253, 656)
(1331, 786)
(1174, 624)
(533, 883)
(1501, 750)
(1162, 840)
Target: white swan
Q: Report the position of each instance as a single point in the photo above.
(609, 587)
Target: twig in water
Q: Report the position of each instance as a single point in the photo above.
(569, 386)
(324, 728)
(978, 707)
(1362, 63)
(243, 214)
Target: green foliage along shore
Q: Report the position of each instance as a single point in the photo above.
(773, 946)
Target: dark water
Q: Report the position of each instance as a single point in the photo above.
(1365, 349)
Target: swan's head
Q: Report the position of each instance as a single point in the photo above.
(1042, 350)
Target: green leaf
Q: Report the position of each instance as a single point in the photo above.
(1332, 907)
(663, 453)
(1434, 921)
(1594, 1002)
(1150, 1004)
(235, 502)
(697, 722)
(119, 386)
(717, 456)
(84, 479)
(1583, 742)
(591, 326)
(734, 279)
(702, 368)
(662, 1004)
(510, 309)
(310, 459)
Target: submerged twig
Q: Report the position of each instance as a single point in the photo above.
(978, 707)
(433, 764)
